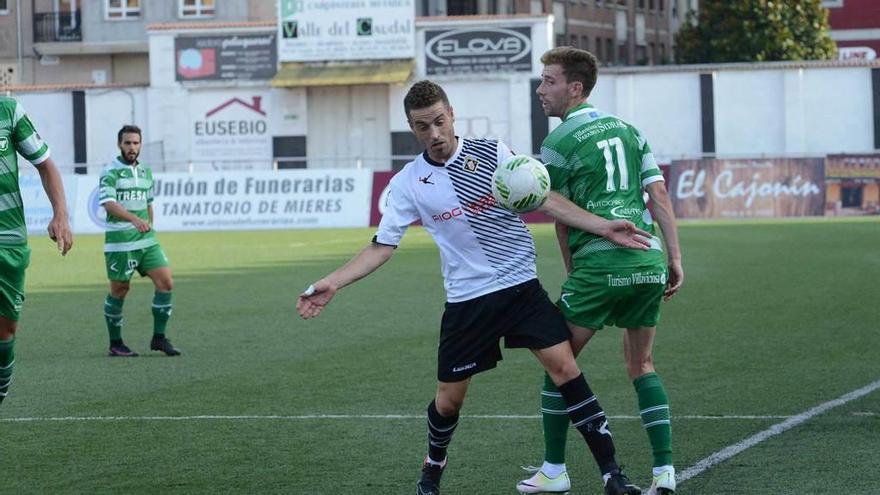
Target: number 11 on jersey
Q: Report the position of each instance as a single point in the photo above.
(617, 144)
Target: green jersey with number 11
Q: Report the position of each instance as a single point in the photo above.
(602, 164)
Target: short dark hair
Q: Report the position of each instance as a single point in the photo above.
(577, 65)
(423, 94)
(128, 129)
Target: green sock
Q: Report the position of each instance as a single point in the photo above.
(161, 312)
(556, 422)
(7, 359)
(654, 409)
(113, 317)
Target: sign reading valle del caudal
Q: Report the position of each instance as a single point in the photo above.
(324, 30)
(230, 125)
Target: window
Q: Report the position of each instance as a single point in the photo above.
(641, 4)
(660, 5)
(123, 9)
(196, 8)
(585, 43)
(461, 7)
(4, 7)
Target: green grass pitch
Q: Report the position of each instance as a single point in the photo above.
(774, 319)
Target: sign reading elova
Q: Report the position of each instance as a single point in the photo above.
(475, 50)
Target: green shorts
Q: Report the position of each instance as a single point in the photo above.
(121, 265)
(621, 297)
(13, 262)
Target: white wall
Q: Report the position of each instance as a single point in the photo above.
(52, 116)
(749, 115)
(106, 112)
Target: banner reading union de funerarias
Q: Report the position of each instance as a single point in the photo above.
(748, 188)
(288, 199)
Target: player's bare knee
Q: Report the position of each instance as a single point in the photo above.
(119, 291)
(448, 406)
(640, 366)
(165, 285)
(7, 329)
(563, 371)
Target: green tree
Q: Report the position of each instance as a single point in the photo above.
(755, 30)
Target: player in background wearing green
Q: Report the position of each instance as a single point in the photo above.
(604, 165)
(17, 134)
(126, 192)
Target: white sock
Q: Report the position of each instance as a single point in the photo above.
(662, 469)
(435, 463)
(552, 470)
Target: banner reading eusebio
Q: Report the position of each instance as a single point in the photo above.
(748, 188)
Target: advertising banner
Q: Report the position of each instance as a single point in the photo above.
(478, 50)
(853, 167)
(230, 125)
(37, 208)
(230, 57)
(323, 30)
(288, 199)
(748, 188)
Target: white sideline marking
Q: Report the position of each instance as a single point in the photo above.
(731, 450)
(35, 419)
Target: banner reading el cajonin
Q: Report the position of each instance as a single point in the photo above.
(749, 188)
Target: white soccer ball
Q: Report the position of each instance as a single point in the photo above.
(521, 184)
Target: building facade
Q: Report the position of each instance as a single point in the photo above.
(46, 42)
(618, 32)
(855, 27)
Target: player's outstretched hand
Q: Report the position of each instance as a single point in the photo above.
(675, 279)
(313, 300)
(625, 233)
(59, 231)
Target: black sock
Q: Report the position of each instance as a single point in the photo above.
(440, 430)
(589, 419)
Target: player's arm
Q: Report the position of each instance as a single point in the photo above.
(622, 232)
(118, 211)
(318, 295)
(59, 226)
(562, 238)
(665, 216)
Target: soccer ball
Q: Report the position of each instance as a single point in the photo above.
(521, 184)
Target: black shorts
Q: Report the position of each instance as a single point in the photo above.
(471, 330)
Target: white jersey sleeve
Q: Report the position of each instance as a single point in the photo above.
(400, 212)
(503, 152)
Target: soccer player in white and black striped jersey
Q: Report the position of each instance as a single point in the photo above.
(488, 263)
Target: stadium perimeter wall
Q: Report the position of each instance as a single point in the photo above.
(756, 111)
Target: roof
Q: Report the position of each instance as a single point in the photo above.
(33, 88)
(178, 26)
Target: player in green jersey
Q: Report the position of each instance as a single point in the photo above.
(18, 136)
(604, 165)
(130, 245)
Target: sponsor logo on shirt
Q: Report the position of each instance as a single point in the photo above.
(637, 278)
(475, 208)
(4, 143)
(621, 212)
(591, 205)
(471, 164)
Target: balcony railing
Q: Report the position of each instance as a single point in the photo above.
(57, 26)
